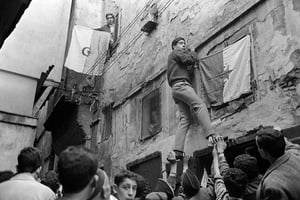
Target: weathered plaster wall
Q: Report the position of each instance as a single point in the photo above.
(17, 93)
(275, 40)
(90, 13)
(39, 40)
(275, 28)
(16, 132)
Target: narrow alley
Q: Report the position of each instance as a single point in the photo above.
(149, 99)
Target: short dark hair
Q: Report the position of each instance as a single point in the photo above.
(235, 181)
(271, 141)
(122, 175)
(176, 40)
(29, 160)
(51, 180)
(5, 175)
(109, 14)
(143, 186)
(76, 167)
(247, 164)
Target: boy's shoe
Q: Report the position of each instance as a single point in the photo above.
(175, 156)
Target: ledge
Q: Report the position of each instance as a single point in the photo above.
(12, 118)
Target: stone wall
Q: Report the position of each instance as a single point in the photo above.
(208, 25)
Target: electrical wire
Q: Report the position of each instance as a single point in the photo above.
(99, 59)
(134, 40)
(136, 37)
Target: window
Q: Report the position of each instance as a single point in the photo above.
(107, 127)
(115, 38)
(151, 115)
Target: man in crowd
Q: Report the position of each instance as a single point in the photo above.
(244, 162)
(193, 190)
(179, 72)
(230, 183)
(125, 185)
(248, 164)
(80, 177)
(24, 185)
(282, 179)
(51, 180)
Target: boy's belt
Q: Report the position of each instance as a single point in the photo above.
(179, 81)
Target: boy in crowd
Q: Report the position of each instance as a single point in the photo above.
(125, 185)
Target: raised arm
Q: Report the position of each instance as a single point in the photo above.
(220, 189)
(221, 146)
(185, 57)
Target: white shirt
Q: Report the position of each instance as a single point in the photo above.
(23, 186)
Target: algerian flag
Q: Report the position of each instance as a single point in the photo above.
(87, 51)
(226, 75)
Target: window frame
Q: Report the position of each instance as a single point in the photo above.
(155, 93)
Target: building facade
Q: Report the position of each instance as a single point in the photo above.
(134, 80)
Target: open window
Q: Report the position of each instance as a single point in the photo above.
(151, 115)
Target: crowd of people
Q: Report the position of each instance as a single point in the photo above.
(78, 176)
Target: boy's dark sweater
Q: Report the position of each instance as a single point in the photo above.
(178, 62)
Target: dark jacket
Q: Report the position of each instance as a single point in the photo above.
(282, 179)
(178, 65)
(104, 28)
(205, 193)
(250, 192)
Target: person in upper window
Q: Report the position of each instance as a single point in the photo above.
(109, 26)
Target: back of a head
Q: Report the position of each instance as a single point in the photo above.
(271, 141)
(143, 187)
(122, 175)
(5, 175)
(76, 167)
(51, 180)
(190, 184)
(247, 164)
(176, 40)
(29, 160)
(235, 181)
